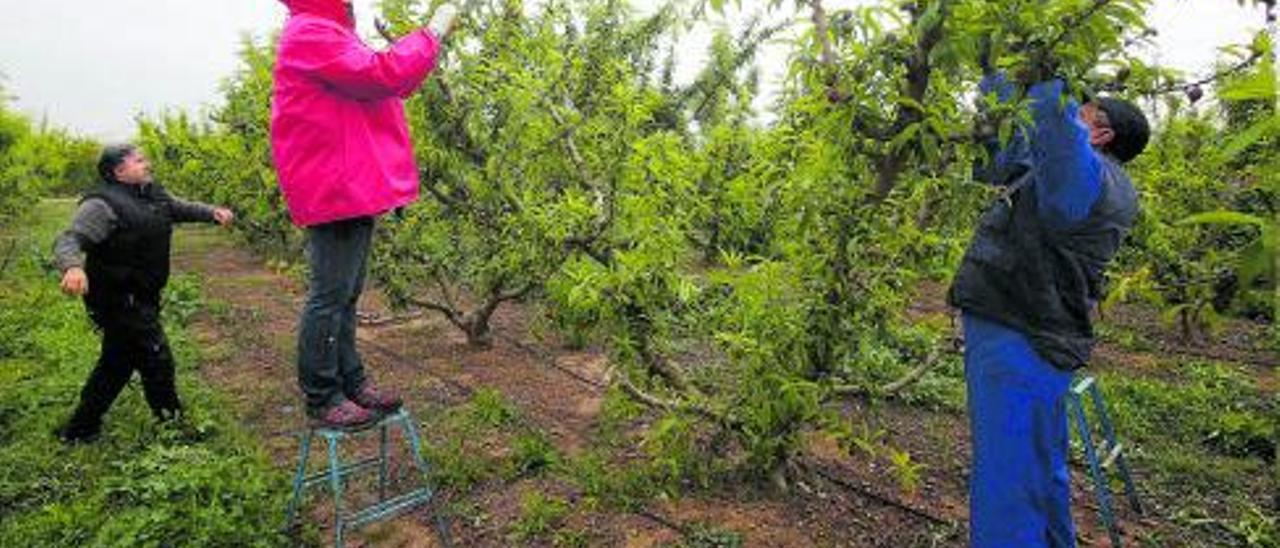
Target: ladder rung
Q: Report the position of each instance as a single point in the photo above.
(389, 508)
(1112, 456)
(343, 472)
(1082, 386)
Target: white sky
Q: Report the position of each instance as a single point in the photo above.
(92, 66)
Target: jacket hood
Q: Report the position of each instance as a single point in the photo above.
(335, 10)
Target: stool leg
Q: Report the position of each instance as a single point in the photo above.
(299, 479)
(335, 480)
(1108, 430)
(406, 425)
(382, 465)
(1095, 469)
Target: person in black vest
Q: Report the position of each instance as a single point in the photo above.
(116, 256)
(1026, 287)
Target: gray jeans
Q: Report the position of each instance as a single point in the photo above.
(329, 368)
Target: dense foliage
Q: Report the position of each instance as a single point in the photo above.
(745, 278)
(37, 160)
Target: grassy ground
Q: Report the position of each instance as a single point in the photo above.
(529, 448)
(142, 484)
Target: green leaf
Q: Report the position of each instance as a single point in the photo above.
(1257, 261)
(902, 138)
(1223, 218)
(1252, 134)
(1259, 85)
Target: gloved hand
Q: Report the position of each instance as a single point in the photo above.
(1041, 66)
(442, 20)
(984, 55)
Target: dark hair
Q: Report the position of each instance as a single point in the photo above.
(1129, 125)
(111, 158)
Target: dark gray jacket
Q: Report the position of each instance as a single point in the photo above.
(95, 221)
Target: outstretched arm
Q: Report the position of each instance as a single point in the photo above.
(1068, 171)
(195, 212)
(336, 57)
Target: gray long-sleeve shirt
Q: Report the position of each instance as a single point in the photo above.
(94, 222)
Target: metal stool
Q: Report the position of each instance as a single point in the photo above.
(1111, 448)
(385, 508)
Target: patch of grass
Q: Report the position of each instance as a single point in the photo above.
(617, 414)
(1202, 443)
(533, 454)
(613, 485)
(468, 512)
(703, 535)
(490, 408)
(539, 514)
(1208, 405)
(485, 438)
(205, 482)
(182, 300)
(571, 538)
(453, 464)
(1124, 337)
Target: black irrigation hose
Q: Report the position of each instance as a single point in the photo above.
(405, 361)
(867, 492)
(549, 360)
(663, 521)
(545, 357)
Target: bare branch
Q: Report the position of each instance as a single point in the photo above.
(619, 377)
(892, 388)
(452, 315)
(819, 18)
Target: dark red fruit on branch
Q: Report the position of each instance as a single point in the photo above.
(1194, 93)
(834, 95)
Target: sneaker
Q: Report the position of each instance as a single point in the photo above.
(382, 401)
(75, 434)
(344, 416)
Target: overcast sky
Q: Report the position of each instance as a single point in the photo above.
(92, 66)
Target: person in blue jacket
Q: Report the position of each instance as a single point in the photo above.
(1025, 288)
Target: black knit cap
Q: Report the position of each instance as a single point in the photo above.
(111, 158)
(1129, 125)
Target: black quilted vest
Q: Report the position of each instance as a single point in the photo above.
(132, 264)
(1043, 281)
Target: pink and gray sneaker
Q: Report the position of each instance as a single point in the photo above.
(375, 399)
(344, 416)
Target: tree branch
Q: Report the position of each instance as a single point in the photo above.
(616, 375)
(892, 388)
(449, 313)
(919, 71)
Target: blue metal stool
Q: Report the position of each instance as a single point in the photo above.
(1111, 448)
(385, 508)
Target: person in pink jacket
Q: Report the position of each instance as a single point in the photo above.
(341, 148)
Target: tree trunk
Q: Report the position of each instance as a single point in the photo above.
(477, 329)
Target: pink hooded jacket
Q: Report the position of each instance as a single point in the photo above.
(338, 132)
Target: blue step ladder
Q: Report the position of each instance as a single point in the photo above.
(338, 472)
(1110, 450)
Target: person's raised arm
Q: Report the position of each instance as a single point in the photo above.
(334, 56)
(1068, 171)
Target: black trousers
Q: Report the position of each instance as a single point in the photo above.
(132, 339)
